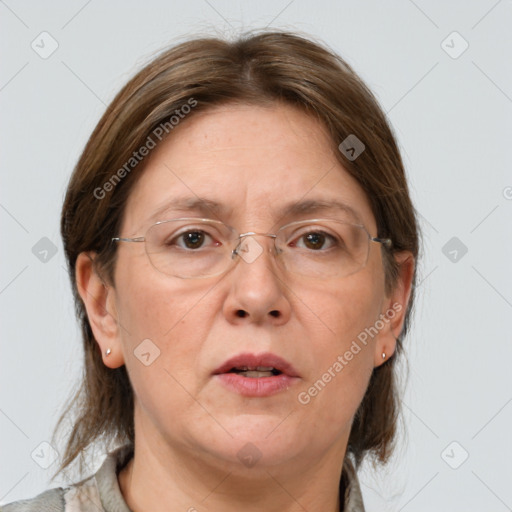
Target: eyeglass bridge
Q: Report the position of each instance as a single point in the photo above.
(236, 250)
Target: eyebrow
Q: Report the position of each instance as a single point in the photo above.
(207, 207)
(320, 205)
(190, 204)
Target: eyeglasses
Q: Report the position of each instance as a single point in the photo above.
(198, 248)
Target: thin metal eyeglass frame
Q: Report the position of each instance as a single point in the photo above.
(386, 242)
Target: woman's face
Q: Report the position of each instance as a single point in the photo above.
(173, 333)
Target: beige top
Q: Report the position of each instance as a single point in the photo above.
(101, 493)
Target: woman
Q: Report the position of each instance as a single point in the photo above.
(241, 246)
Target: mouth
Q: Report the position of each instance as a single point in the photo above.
(257, 366)
(257, 372)
(256, 375)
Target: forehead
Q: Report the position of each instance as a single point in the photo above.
(249, 165)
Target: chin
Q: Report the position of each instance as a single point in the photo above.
(256, 442)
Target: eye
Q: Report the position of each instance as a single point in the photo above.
(315, 240)
(191, 239)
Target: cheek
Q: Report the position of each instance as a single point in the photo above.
(163, 321)
(164, 324)
(150, 304)
(341, 351)
(342, 310)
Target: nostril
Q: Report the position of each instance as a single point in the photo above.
(242, 314)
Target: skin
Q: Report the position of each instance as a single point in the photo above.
(188, 427)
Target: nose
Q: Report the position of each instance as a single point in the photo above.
(257, 293)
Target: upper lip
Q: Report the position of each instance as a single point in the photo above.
(254, 360)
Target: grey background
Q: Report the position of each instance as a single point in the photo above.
(452, 117)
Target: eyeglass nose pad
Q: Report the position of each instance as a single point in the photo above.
(248, 248)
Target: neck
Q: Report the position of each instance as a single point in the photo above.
(160, 477)
(226, 494)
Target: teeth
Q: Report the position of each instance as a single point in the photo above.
(256, 374)
(258, 368)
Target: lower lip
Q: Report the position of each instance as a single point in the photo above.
(256, 386)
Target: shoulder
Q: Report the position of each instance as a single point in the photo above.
(96, 493)
(80, 497)
(48, 501)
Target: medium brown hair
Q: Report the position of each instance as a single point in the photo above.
(260, 69)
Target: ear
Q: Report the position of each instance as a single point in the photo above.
(99, 301)
(394, 309)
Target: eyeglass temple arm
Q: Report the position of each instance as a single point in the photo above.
(118, 239)
(386, 242)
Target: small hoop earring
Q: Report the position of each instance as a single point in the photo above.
(108, 352)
